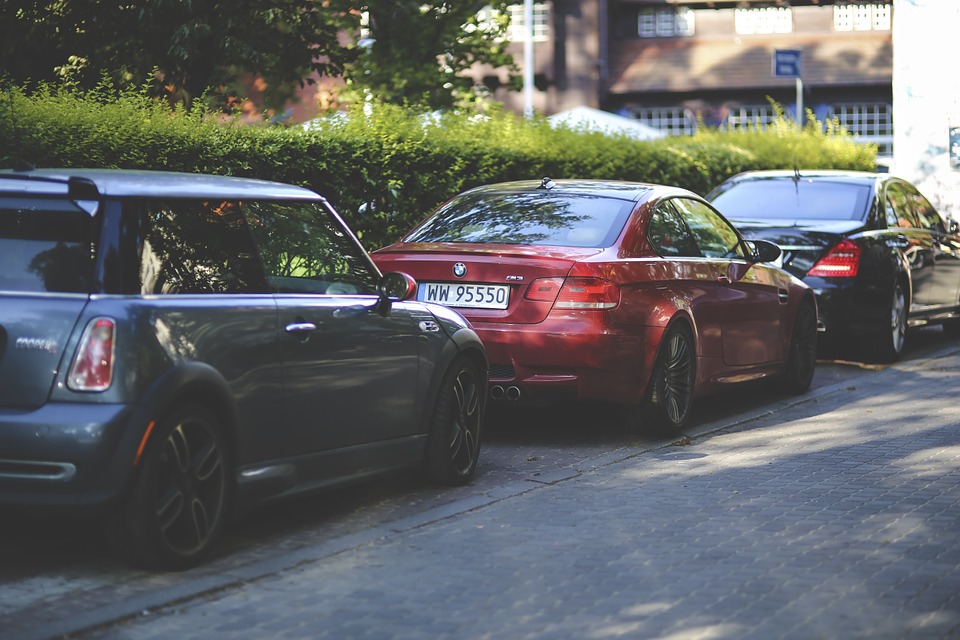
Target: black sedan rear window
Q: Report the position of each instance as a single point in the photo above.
(527, 218)
(784, 198)
(45, 246)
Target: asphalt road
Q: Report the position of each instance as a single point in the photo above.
(57, 576)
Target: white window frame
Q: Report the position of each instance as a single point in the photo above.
(672, 22)
(670, 120)
(517, 31)
(763, 20)
(750, 117)
(868, 122)
(862, 17)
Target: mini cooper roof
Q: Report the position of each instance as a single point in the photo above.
(93, 183)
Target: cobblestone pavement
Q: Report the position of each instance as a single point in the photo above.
(833, 518)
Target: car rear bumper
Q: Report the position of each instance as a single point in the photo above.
(569, 358)
(847, 307)
(65, 455)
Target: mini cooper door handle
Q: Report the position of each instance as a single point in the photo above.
(300, 327)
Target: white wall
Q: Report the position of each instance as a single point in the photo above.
(926, 97)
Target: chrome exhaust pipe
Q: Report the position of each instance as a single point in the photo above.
(496, 392)
(513, 393)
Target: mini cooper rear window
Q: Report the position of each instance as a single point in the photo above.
(565, 220)
(45, 245)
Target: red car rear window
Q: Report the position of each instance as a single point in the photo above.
(566, 220)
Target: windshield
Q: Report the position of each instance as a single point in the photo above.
(567, 220)
(784, 198)
(45, 246)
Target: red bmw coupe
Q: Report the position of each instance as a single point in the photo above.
(637, 294)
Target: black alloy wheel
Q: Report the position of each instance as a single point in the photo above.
(670, 395)
(802, 359)
(453, 443)
(178, 504)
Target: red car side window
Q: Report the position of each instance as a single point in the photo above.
(669, 235)
(714, 235)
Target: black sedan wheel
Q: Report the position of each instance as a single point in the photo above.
(670, 395)
(453, 444)
(889, 346)
(802, 359)
(178, 504)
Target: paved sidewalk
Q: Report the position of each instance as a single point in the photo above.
(833, 518)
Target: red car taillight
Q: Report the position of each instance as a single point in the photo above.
(575, 293)
(92, 368)
(842, 261)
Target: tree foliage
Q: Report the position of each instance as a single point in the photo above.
(415, 54)
(410, 53)
(186, 47)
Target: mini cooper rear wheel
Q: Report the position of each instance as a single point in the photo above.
(178, 503)
(802, 359)
(453, 443)
(669, 399)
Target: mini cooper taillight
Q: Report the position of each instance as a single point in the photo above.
(575, 293)
(92, 368)
(842, 261)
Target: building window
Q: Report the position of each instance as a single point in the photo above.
(670, 120)
(665, 23)
(755, 117)
(862, 17)
(763, 20)
(871, 123)
(518, 26)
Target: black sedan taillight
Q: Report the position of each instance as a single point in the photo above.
(842, 261)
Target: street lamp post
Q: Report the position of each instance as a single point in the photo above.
(528, 59)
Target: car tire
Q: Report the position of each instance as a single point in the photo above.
(178, 504)
(802, 358)
(453, 442)
(669, 399)
(888, 345)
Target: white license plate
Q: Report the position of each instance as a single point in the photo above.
(475, 296)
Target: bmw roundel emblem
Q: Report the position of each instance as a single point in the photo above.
(459, 269)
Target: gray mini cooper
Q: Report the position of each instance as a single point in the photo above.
(176, 347)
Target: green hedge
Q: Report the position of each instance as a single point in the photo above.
(387, 169)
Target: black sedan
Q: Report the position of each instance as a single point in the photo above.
(876, 252)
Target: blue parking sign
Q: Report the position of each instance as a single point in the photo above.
(786, 63)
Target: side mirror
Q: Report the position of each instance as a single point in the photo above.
(764, 250)
(396, 286)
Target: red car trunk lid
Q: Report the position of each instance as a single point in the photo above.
(482, 270)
